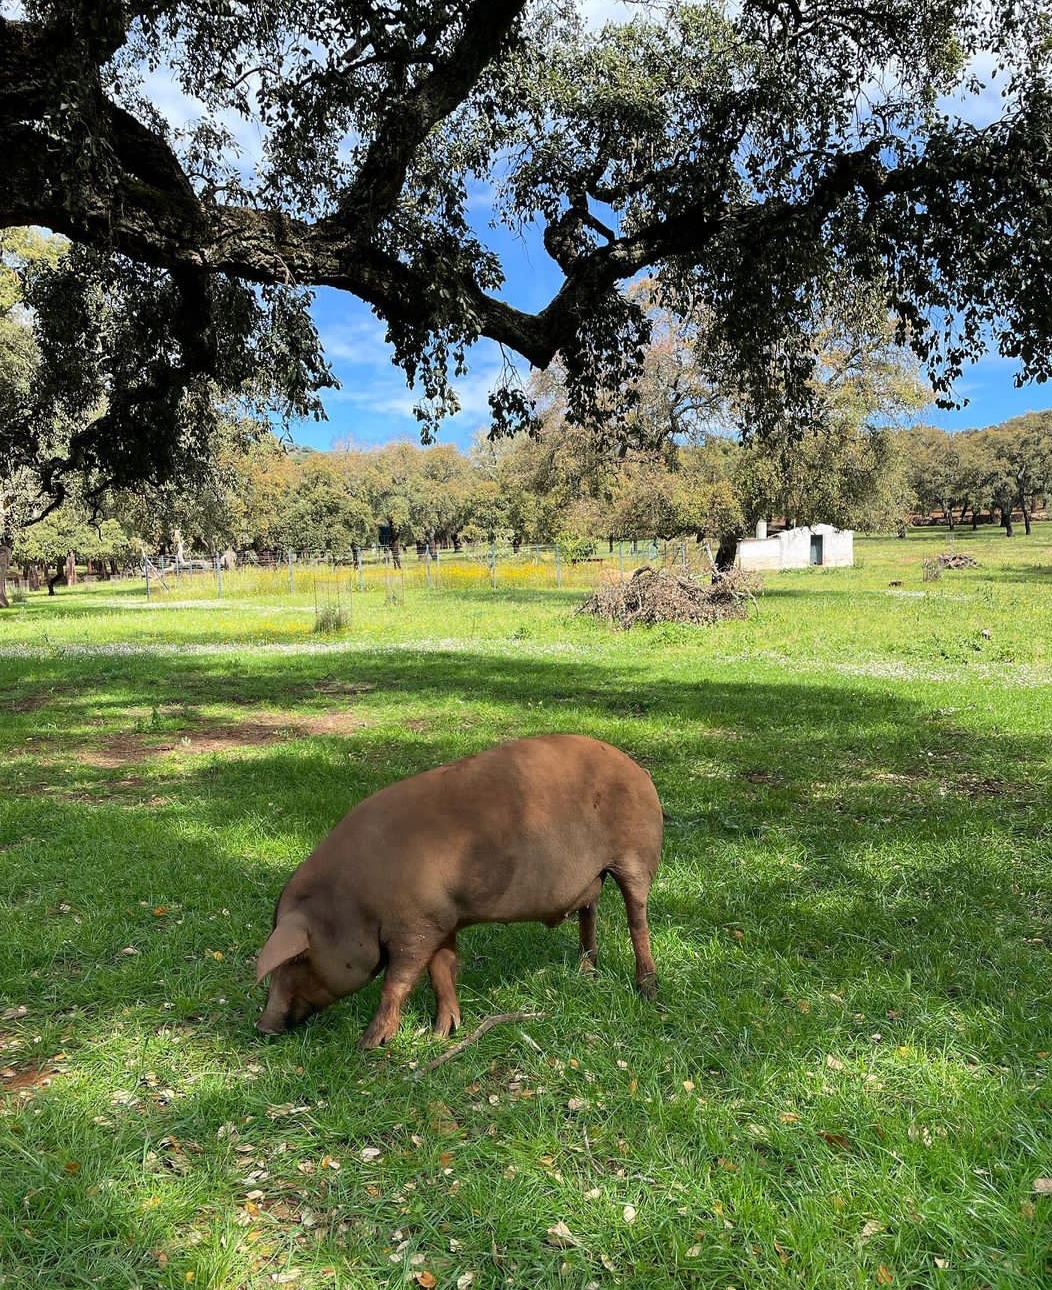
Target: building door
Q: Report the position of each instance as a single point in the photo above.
(816, 548)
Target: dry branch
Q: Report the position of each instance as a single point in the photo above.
(498, 1019)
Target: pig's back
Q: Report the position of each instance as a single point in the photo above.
(515, 833)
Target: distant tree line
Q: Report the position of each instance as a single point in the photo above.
(563, 485)
(993, 473)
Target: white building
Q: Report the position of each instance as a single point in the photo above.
(797, 548)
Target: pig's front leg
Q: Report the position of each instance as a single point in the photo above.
(404, 967)
(443, 971)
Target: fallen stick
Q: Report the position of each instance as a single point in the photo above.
(498, 1019)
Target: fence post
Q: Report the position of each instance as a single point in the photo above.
(361, 576)
(558, 568)
(427, 565)
(493, 564)
(146, 567)
(219, 578)
(291, 587)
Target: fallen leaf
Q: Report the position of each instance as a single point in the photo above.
(835, 1140)
(425, 1279)
(884, 1275)
(871, 1229)
(1042, 1187)
(694, 1251)
(688, 1085)
(942, 1263)
(465, 1280)
(561, 1236)
(834, 1063)
(789, 1117)
(629, 1213)
(130, 949)
(13, 1014)
(445, 1159)
(72, 1166)
(919, 1133)
(370, 1153)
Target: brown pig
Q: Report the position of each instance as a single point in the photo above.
(525, 832)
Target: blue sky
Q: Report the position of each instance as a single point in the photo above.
(374, 406)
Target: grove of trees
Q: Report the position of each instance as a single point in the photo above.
(552, 487)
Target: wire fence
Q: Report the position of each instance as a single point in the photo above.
(303, 575)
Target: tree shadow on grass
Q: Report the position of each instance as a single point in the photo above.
(842, 877)
(827, 773)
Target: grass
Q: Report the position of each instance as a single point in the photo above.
(846, 1083)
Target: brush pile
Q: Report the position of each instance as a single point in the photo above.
(957, 561)
(662, 596)
(933, 568)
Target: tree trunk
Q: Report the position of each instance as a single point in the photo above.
(396, 551)
(726, 552)
(71, 569)
(60, 573)
(1006, 520)
(1026, 520)
(5, 564)
(516, 542)
(33, 576)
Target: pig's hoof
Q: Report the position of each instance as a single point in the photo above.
(446, 1023)
(587, 965)
(647, 986)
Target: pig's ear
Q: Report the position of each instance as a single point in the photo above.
(286, 941)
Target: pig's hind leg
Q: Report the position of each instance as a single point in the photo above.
(586, 917)
(443, 972)
(634, 881)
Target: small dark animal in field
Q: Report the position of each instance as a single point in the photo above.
(525, 832)
(895, 583)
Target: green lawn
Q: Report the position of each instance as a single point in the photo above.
(846, 1082)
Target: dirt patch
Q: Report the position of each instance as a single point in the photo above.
(967, 785)
(973, 785)
(24, 1078)
(122, 750)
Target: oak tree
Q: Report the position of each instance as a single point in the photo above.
(753, 159)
